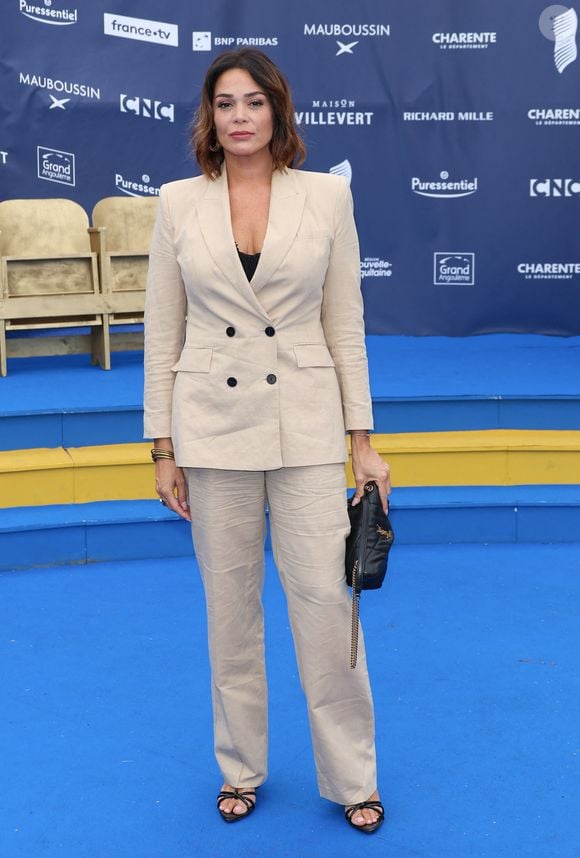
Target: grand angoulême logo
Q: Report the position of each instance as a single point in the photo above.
(453, 269)
(559, 24)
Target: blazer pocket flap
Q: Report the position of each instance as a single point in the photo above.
(313, 354)
(194, 360)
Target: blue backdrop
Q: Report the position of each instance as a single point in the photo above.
(457, 123)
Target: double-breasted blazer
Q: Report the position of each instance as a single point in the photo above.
(263, 374)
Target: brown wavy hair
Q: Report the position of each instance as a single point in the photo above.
(286, 146)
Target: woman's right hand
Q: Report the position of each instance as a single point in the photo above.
(171, 488)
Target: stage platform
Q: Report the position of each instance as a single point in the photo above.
(419, 384)
(483, 437)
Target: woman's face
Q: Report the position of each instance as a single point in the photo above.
(242, 114)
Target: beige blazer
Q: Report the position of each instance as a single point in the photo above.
(260, 375)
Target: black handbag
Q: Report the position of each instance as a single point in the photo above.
(367, 552)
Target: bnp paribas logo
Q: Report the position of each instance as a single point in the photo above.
(559, 24)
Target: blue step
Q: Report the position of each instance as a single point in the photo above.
(126, 530)
(418, 384)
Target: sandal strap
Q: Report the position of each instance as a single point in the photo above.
(371, 805)
(244, 797)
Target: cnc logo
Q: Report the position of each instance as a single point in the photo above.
(549, 270)
(342, 169)
(453, 269)
(140, 188)
(347, 36)
(554, 188)
(373, 266)
(334, 112)
(68, 88)
(444, 188)
(46, 13)
(464, 41)
(559, 25)
(147, 107)
(141, 29)
(555, 115)
(202, 41)
(55, 166)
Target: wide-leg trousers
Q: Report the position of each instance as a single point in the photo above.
(308, 526)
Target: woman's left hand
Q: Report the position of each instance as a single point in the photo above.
(368, 465)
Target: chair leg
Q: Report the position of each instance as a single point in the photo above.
(101, 344)
(3, 350)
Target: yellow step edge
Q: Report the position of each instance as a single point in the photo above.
(125, 471)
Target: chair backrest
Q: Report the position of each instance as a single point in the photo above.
(43, 228)
(129, 222)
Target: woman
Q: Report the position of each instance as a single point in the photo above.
(255, 366)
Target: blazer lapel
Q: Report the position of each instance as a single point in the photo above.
(216, 227)
(286, 208)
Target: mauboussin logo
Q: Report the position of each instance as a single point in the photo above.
(453, 269)
(48, 12)
(347, 36)
(55, 165)
(139, 188)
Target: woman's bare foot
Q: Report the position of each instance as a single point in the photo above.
(366, 815)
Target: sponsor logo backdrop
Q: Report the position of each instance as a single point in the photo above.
(457, 128)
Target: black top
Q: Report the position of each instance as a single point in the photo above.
(249, 262)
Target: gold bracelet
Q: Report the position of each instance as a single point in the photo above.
(364, 432)
(160, 453)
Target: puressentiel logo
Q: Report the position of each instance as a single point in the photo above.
(453, 269)
(559, 25)
(48, 13)
(554, 188)
(444, 188)
(55, 165)
(141, 29)
(140, 188)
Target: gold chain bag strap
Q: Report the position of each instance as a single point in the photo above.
(367, 552)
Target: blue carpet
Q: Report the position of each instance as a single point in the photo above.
(106, 746)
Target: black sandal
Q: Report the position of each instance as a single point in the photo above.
(244, 797)
(370, 826)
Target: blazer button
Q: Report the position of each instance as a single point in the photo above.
(231, 332)
(271, 379)
(232, 381)
(270, 331)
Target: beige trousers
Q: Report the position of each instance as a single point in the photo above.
(308, 525)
